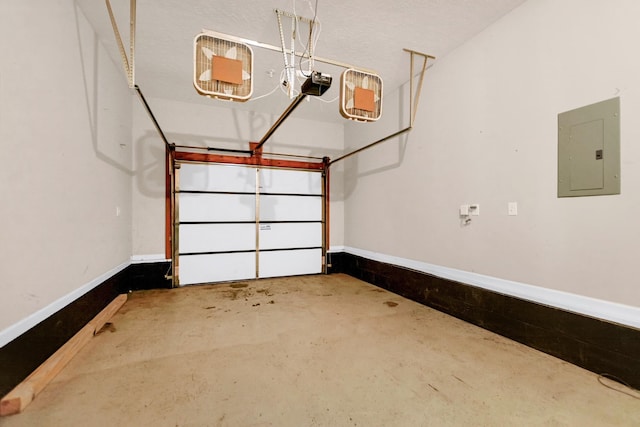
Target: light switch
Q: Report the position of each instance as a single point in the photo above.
(512, 208)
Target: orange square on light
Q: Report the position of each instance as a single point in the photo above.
(226, 70)
(364, 99)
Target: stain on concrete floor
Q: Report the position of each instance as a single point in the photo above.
(338, 359)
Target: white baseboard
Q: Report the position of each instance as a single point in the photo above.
(600, 309)
(614, 312)
(14, 331)
(144, 259)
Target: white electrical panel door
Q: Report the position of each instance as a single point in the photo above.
(230, 230)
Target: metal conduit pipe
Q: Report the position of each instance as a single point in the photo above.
(400, 132)
(413, 105)
(278, 122)
(232, 150)
(153, 118)
(229, 150)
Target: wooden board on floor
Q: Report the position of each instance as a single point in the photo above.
(18, 398)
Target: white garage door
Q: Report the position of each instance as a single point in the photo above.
(241, 222)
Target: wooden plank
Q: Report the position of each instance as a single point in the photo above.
(18, 398)
(26, 391)
(103, 317)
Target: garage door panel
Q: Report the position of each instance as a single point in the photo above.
(290, 263)
(282, 236)
(216, 237)
(204, 177)
(199, 207)
(217, 268)
(218, 222)
(290, 181)
(290, 208)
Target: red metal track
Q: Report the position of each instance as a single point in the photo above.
(253, 161)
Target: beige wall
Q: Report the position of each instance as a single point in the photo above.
(65, 131)
(77, 146)
(211, 125)
(486, 133)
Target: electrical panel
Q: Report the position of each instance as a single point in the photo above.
(589, 150)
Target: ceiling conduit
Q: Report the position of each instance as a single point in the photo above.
(129, 68)
(298, 99)
(129, 62)
(414, 99)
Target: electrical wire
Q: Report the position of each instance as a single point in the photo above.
(166, 275)
(329, 101)
(310, 41)
(267, 94)
(318, 25)
(282, 87)
(619, 381)
(309, 60)
(288, 76)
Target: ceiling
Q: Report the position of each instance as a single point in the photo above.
(368, 34)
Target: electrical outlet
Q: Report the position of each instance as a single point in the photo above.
(474, 209)
(512, 208)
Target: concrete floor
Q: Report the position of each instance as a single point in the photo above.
(312, 351)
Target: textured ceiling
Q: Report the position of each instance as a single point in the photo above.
(369, 34)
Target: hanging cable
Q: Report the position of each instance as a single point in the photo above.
(310, 42)
(290, 88)
(327, 101)
(278, 86)
(629, 391)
